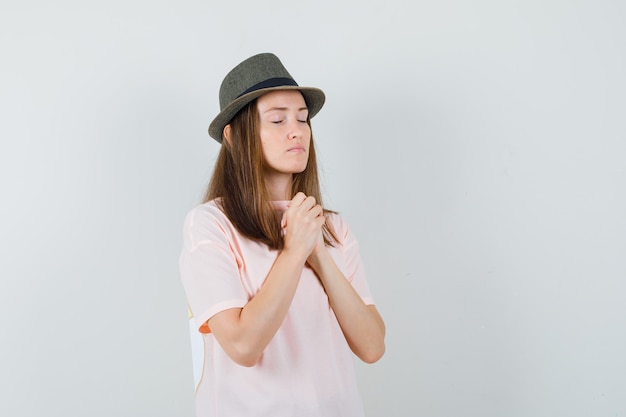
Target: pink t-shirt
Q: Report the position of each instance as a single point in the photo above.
(307, 370)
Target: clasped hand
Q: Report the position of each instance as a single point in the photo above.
(302, 225)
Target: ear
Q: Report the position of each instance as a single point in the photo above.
(226, 134)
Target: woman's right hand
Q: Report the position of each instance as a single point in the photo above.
(302, 225)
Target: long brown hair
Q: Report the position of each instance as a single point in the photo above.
(240, 187)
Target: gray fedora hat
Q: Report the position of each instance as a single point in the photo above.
(252, 78)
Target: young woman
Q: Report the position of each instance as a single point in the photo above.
(274, 281)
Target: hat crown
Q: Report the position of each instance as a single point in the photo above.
(254, 71)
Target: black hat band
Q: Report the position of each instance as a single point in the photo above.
(269, 83)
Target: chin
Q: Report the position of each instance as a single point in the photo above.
(299, 170)
(293, 169)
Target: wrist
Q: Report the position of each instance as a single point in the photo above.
(295, 255)
(319, 258)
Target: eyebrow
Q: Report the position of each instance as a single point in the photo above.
(283, 109)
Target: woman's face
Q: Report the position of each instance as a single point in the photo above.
(285, 133)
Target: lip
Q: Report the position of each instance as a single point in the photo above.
(296, 149)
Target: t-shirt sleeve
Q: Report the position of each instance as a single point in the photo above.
(354, 267)
(209, 267)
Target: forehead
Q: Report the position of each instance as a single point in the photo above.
(281, 99)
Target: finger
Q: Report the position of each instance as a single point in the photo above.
(317, 210)
(309, 203)
(305, 202)
(297, 199)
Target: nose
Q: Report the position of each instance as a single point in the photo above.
(296, 131)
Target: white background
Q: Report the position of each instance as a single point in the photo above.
(477, 149)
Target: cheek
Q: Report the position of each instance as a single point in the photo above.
(264, 141)
(268, 150)
(266, 145)
(267, 138)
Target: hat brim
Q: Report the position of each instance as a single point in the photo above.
(314, 98)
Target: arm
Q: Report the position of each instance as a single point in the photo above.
(244, 332)
(361, 324)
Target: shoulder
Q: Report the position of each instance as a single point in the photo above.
(206, 221)
(348, 246)
(209, 210)
(339, 225)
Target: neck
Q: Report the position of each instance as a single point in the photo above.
(279, 186)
